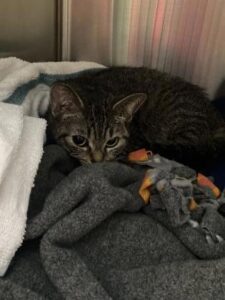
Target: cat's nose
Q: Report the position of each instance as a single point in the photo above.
(97, 156)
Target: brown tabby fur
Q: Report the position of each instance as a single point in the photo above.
(141, 108)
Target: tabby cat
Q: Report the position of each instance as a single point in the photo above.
(104, 114)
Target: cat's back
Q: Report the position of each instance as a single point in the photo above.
(114, 83)
(168, 97)
(122, 81)
(172, 103)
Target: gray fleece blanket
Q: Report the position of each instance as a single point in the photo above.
(89, 236)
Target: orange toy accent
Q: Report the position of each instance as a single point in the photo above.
(192, 205)
(139, 155)
(144, 190)
(143, 155)
(204, 181)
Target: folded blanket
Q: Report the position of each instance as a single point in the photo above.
(20, 154)
(91, 236)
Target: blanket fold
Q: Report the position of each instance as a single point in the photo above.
(20, 155)
(91, 236)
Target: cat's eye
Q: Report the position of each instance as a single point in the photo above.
(79, 140)
(112, 143)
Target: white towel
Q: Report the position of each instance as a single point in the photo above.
(15, 72)
(36, 101)
(21, 143)
(10, 133)
(24, 138)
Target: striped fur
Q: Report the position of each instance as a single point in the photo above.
(177, 119)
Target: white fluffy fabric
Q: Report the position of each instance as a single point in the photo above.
(21, 143)
(15, 72)
(21, 147)
(36, 101)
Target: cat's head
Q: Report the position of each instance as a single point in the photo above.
(91, 132)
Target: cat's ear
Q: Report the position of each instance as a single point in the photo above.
(129, 105)
(64, 101)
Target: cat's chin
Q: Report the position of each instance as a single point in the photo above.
(89, 162)
(85, 162)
